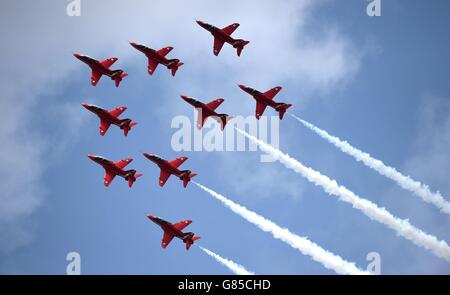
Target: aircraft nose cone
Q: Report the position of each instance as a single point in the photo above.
(77, 55)
(91, 156)
(184, 97)
(242, 86)
(86, 105)
(132, 43)
(151, 217)
(199, 22)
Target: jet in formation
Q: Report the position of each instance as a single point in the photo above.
(174, 230)
(222, 36)
(171, 167)
(208, 110)
(100, 68)
(113, 169)
(111, 117)
(266, 99)
(156, 57)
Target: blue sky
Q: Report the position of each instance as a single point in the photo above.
(381, 83)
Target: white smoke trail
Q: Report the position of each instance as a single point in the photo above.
(305, 246)
(402, 227)
(403, 181)
(233, 266)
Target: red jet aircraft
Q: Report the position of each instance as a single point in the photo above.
(171, 167)
(224, 35)
(156, 57)
(100, 68)
(112, 169)
(208, 110)
(174, 230)
(111, 117)
(266, 99)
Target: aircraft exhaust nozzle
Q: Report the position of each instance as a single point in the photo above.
(119, 77)
(239, 45)
(282, 108)
(175, 68)
(224, 118)
(188, 177)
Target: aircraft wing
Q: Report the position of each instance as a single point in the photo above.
(230, 29)
(260, 108)
(163, 176)
(167, 238)
(123, 163)
(177, 162)
(108, 62)
(182, 224)
(164, 51)
(270, 94)
(118, 111)
(215, 103)
(218, 43)
(104, 126)
(108, 178)
(152, 65)
(95, 77)
(201, 119)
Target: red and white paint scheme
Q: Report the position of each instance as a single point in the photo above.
(111, 117)
(156, 57)
(100, 68)
(113, 169)
(222, 36)
(208, 110)
(171, 167)
(174, 230)
(266, 99)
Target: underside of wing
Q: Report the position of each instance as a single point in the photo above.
(117, 111)
(164, 51)
(108, 178)
(167, 238)
(104, 126)
(178, 161)
(108, 62)
(218, 43)
(230, 29)
(163, 176)
(152, 65)
(201, 118)
(270, 94)
(215, 103)
(95, 77)
(123, 163)
(182, 224)
(260, 108)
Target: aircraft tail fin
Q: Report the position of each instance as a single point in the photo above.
(132, 178)
(175, 67)
(118, 76)
(239, 45)
(224, 118)
(191, 241)
(281, 108)
(188, 178)
(126, 125)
